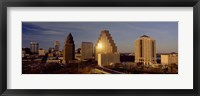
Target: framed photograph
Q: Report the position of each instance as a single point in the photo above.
(121, 47)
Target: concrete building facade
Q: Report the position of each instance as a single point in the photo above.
(87, 50)
(167, 59)
(34, 47)
(145, 50)
(41, 52)
(108, 59)
(69, 49)
(57, 45)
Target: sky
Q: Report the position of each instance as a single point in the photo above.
(123, 33)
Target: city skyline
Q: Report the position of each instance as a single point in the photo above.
(124, 34)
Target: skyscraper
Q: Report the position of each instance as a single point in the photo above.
(34, 46)
(105, 44)
(106, 50)
(145, 50)
(69, 49)
(57, 45)
(87, 50)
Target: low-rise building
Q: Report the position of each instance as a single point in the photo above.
(60, 58)
(41, 52)
(167, 59)
(108, 59)
(23, 53)
(53, 61)
(78, 56)
(50, 55)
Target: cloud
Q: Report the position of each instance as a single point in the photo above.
(51, 32)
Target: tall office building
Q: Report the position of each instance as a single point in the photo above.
(106, 50)
(34, 46)
(87, 50)
(69, 49)
(105, 44)
(57, 45)
(145, 50)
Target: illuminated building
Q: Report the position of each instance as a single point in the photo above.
(69, 49)
(58, 53)
(106, 50)
(167, 59)
(34, 46)
(41, 52)
(145, 50)
(87, 50)
(105, 44)
(50, 55)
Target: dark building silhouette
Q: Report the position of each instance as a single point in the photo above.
(69, 49)
(51, 50)
(27, 50)
(126, 58)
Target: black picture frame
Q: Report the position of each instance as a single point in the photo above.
(98, 3)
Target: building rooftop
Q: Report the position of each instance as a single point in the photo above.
(86, 42)
(69, 39)
(34, 43)
(145, 36)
